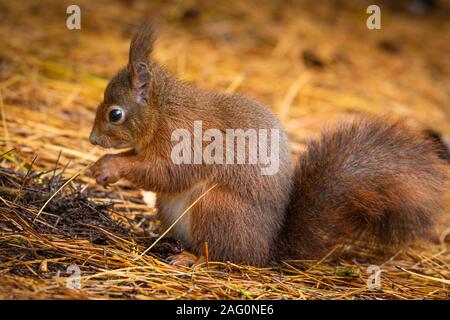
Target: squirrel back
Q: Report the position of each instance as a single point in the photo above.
(371, 179)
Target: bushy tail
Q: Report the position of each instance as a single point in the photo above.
(369, 178)
(443, 144)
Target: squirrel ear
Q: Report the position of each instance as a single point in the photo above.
(140, 49)
(140, 79)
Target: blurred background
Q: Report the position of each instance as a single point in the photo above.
(310, 61)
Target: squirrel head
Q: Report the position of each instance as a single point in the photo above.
(125, 115)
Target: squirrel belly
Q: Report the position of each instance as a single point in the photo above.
(370, 179)
(171, 206)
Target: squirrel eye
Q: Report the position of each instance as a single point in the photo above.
(116, 116)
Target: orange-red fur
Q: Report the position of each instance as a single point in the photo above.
(367, 176)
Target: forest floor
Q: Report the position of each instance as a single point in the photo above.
(312, 62)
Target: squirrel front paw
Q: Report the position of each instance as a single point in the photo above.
(106, 170)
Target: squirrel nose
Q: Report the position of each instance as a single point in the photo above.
(93, 138)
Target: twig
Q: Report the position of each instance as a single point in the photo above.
(25, 179)
(7, 152)
(424, 276)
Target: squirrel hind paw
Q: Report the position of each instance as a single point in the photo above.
(185, 259)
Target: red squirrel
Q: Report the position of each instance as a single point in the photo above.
(369, 176)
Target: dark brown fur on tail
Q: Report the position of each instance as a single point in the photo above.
(369, 178)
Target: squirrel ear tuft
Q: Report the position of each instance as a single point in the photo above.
(140, 50)
(142, 43)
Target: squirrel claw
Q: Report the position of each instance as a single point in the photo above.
(102, 181)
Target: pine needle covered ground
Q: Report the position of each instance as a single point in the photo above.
(311, 62)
